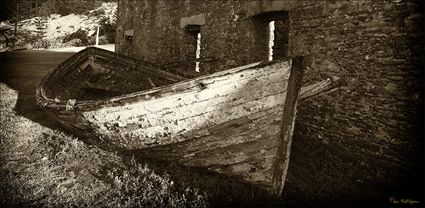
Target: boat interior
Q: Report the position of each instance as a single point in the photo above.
(94, 74)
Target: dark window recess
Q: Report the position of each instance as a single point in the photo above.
(193, 29)
(280, 46)
(195, 32)
(128, 35)
(271, 29)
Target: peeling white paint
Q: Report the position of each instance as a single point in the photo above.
(241, 94)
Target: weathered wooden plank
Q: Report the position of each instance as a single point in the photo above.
(161, 91)
(104, 69)
(281, 162)
(216, 91)
(163, 116)
(245, 150)
(160, 125)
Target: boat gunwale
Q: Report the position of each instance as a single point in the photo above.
(43, 100)
(86, 105)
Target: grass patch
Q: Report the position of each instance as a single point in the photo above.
(48, 168)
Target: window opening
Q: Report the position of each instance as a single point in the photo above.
(271, 35)
(198, 51)
(128, 35)
(195, 39)
(271, 39)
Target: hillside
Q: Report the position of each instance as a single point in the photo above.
(56, 31)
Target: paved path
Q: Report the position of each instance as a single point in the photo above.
(22, 71)
(109, 47)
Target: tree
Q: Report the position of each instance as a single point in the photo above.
(3, 32)
(7, 9)
(16, 10)
(65, 7)
(40, 23)
(10, 11)
(108, 27)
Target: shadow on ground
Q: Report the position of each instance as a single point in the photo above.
(23, 71)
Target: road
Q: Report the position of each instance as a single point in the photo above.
(22, 71)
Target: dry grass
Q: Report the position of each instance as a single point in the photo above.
(48, 168)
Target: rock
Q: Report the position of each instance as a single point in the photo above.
(5, 49)
(103, 40)
(28, 46)
(73, 42)
(19, 48)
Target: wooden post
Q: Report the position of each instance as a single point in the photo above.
(16, 25)
(97, 36)
(280, 166)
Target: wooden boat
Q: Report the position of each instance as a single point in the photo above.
(237, 122)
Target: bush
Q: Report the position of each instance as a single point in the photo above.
(41, 43)
(108, 29)
(73, 42)
(97, 13)
(103, 40)
(65, 7)
(80, 34)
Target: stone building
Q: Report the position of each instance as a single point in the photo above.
(362, 142)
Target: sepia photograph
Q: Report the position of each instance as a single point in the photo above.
(212, 103)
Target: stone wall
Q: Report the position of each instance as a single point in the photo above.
(230, 36)
(369, 131)
(373, 125)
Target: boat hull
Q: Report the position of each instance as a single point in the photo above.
(227, 122)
